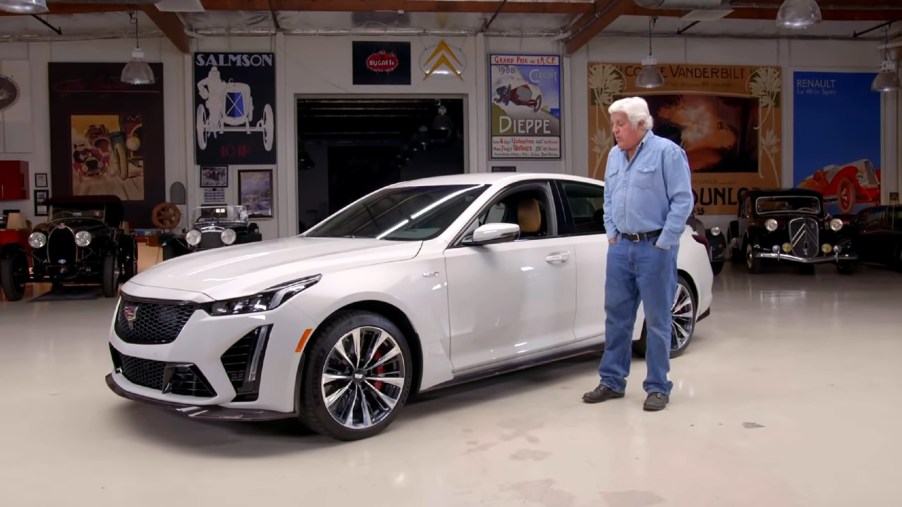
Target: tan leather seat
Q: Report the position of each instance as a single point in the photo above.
(529, 216)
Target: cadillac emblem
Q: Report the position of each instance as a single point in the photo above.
(131, 313)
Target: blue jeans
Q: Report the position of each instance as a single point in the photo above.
(638, 271)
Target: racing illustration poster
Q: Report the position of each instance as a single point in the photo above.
(726, 118)
(234, 103)
(837, 138)
(107, 137)
(526, 106)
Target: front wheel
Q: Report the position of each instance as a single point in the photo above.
(358, 374)
(13, 275)
(682, 324)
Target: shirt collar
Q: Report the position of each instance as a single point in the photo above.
(648, 135)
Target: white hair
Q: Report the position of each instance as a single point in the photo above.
(635, 108)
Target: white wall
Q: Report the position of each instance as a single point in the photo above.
(321, 66)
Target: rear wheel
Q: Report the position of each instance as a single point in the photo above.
(682, 324)
(110, 275)
(357, 376)
(13, 275)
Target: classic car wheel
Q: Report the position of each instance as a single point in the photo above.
(110, 276)
(13, 275)
(357, 376)
(751, 262)
(682, 324)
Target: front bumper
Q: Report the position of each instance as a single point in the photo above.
(200, 411)
(781, 256)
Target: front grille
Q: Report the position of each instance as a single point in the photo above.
(151, 323)
(61, 247)
(175, 378)
(804, 237)
(211, 239)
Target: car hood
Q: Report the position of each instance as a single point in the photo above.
(239, 270)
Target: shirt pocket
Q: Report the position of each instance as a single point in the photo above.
(645, 176)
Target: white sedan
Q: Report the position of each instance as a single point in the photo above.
(416, 286)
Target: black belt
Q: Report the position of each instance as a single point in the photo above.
(641, 236)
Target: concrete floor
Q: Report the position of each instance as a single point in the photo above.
(789, 396)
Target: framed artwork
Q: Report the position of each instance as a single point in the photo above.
(214, 176)
(40, 180)
(255, 192)
(40, 202)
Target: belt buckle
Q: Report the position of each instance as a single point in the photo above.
(635, 238)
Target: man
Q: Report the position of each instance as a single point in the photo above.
(647, 199)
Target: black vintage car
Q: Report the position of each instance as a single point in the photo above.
(212, 227)
(82, 242)
(878, 235)
(789, 225)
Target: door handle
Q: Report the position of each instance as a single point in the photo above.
(557, 257)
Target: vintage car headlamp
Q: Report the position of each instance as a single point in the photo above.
(770, 225)
(228, 236)
(193, 237)
(835, 225)
(269, 299)
(83, 238)
(715, 231)
(826, 248)
(787, 247)
(37, 240)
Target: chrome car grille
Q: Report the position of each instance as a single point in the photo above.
(212, 239)
(182, 379)
(61, 247)
(151, 323)
(804, 237)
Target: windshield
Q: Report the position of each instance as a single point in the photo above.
(787, 204)
(219, 214)
(62, 211)
(402, 213)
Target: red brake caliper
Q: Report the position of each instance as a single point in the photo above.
(379, 370)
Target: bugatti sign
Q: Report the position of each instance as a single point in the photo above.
(381, 63)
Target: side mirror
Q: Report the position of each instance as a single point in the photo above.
(493, 233)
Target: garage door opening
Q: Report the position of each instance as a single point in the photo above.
(350, 147)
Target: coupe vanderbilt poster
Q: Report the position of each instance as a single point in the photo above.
(726, 117)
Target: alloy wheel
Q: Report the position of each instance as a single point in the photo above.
(683, 311)
(363, 377)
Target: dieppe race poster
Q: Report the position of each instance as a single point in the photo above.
(836, 138)
(526, 106)
(726, 118)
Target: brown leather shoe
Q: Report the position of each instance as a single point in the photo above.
(601, 393)
(655, 402)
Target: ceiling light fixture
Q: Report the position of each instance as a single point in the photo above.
(798, 14)
(650, 76)
(24, 6)
(137, 71)
(887, 80)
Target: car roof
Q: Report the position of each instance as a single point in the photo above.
(485, 178)
(784, 191)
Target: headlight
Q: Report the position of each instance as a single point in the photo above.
(835, 224)
(269, 299)
(715, 231)
(83, 238)
(228, 236)
(193, 237)
(770, 225)
(37, 239)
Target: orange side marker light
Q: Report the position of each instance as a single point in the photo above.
(303, 340)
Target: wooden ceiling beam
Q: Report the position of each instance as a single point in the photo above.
(765, 13)
(170, 25)
(550, 7)
(589, 25)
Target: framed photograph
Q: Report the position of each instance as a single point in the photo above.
(255, 192)
(40, 202)
(40, 180)
(214, 176)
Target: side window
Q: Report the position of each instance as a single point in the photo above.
(586, 203)
(528, 208)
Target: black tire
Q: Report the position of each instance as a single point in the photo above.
(685, 296)
(322, 353)
(110, 276)
(845, 268)
(752, 263)
(717, 267)
(129, 261)
(13, 275)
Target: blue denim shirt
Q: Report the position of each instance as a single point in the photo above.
(651, 191)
